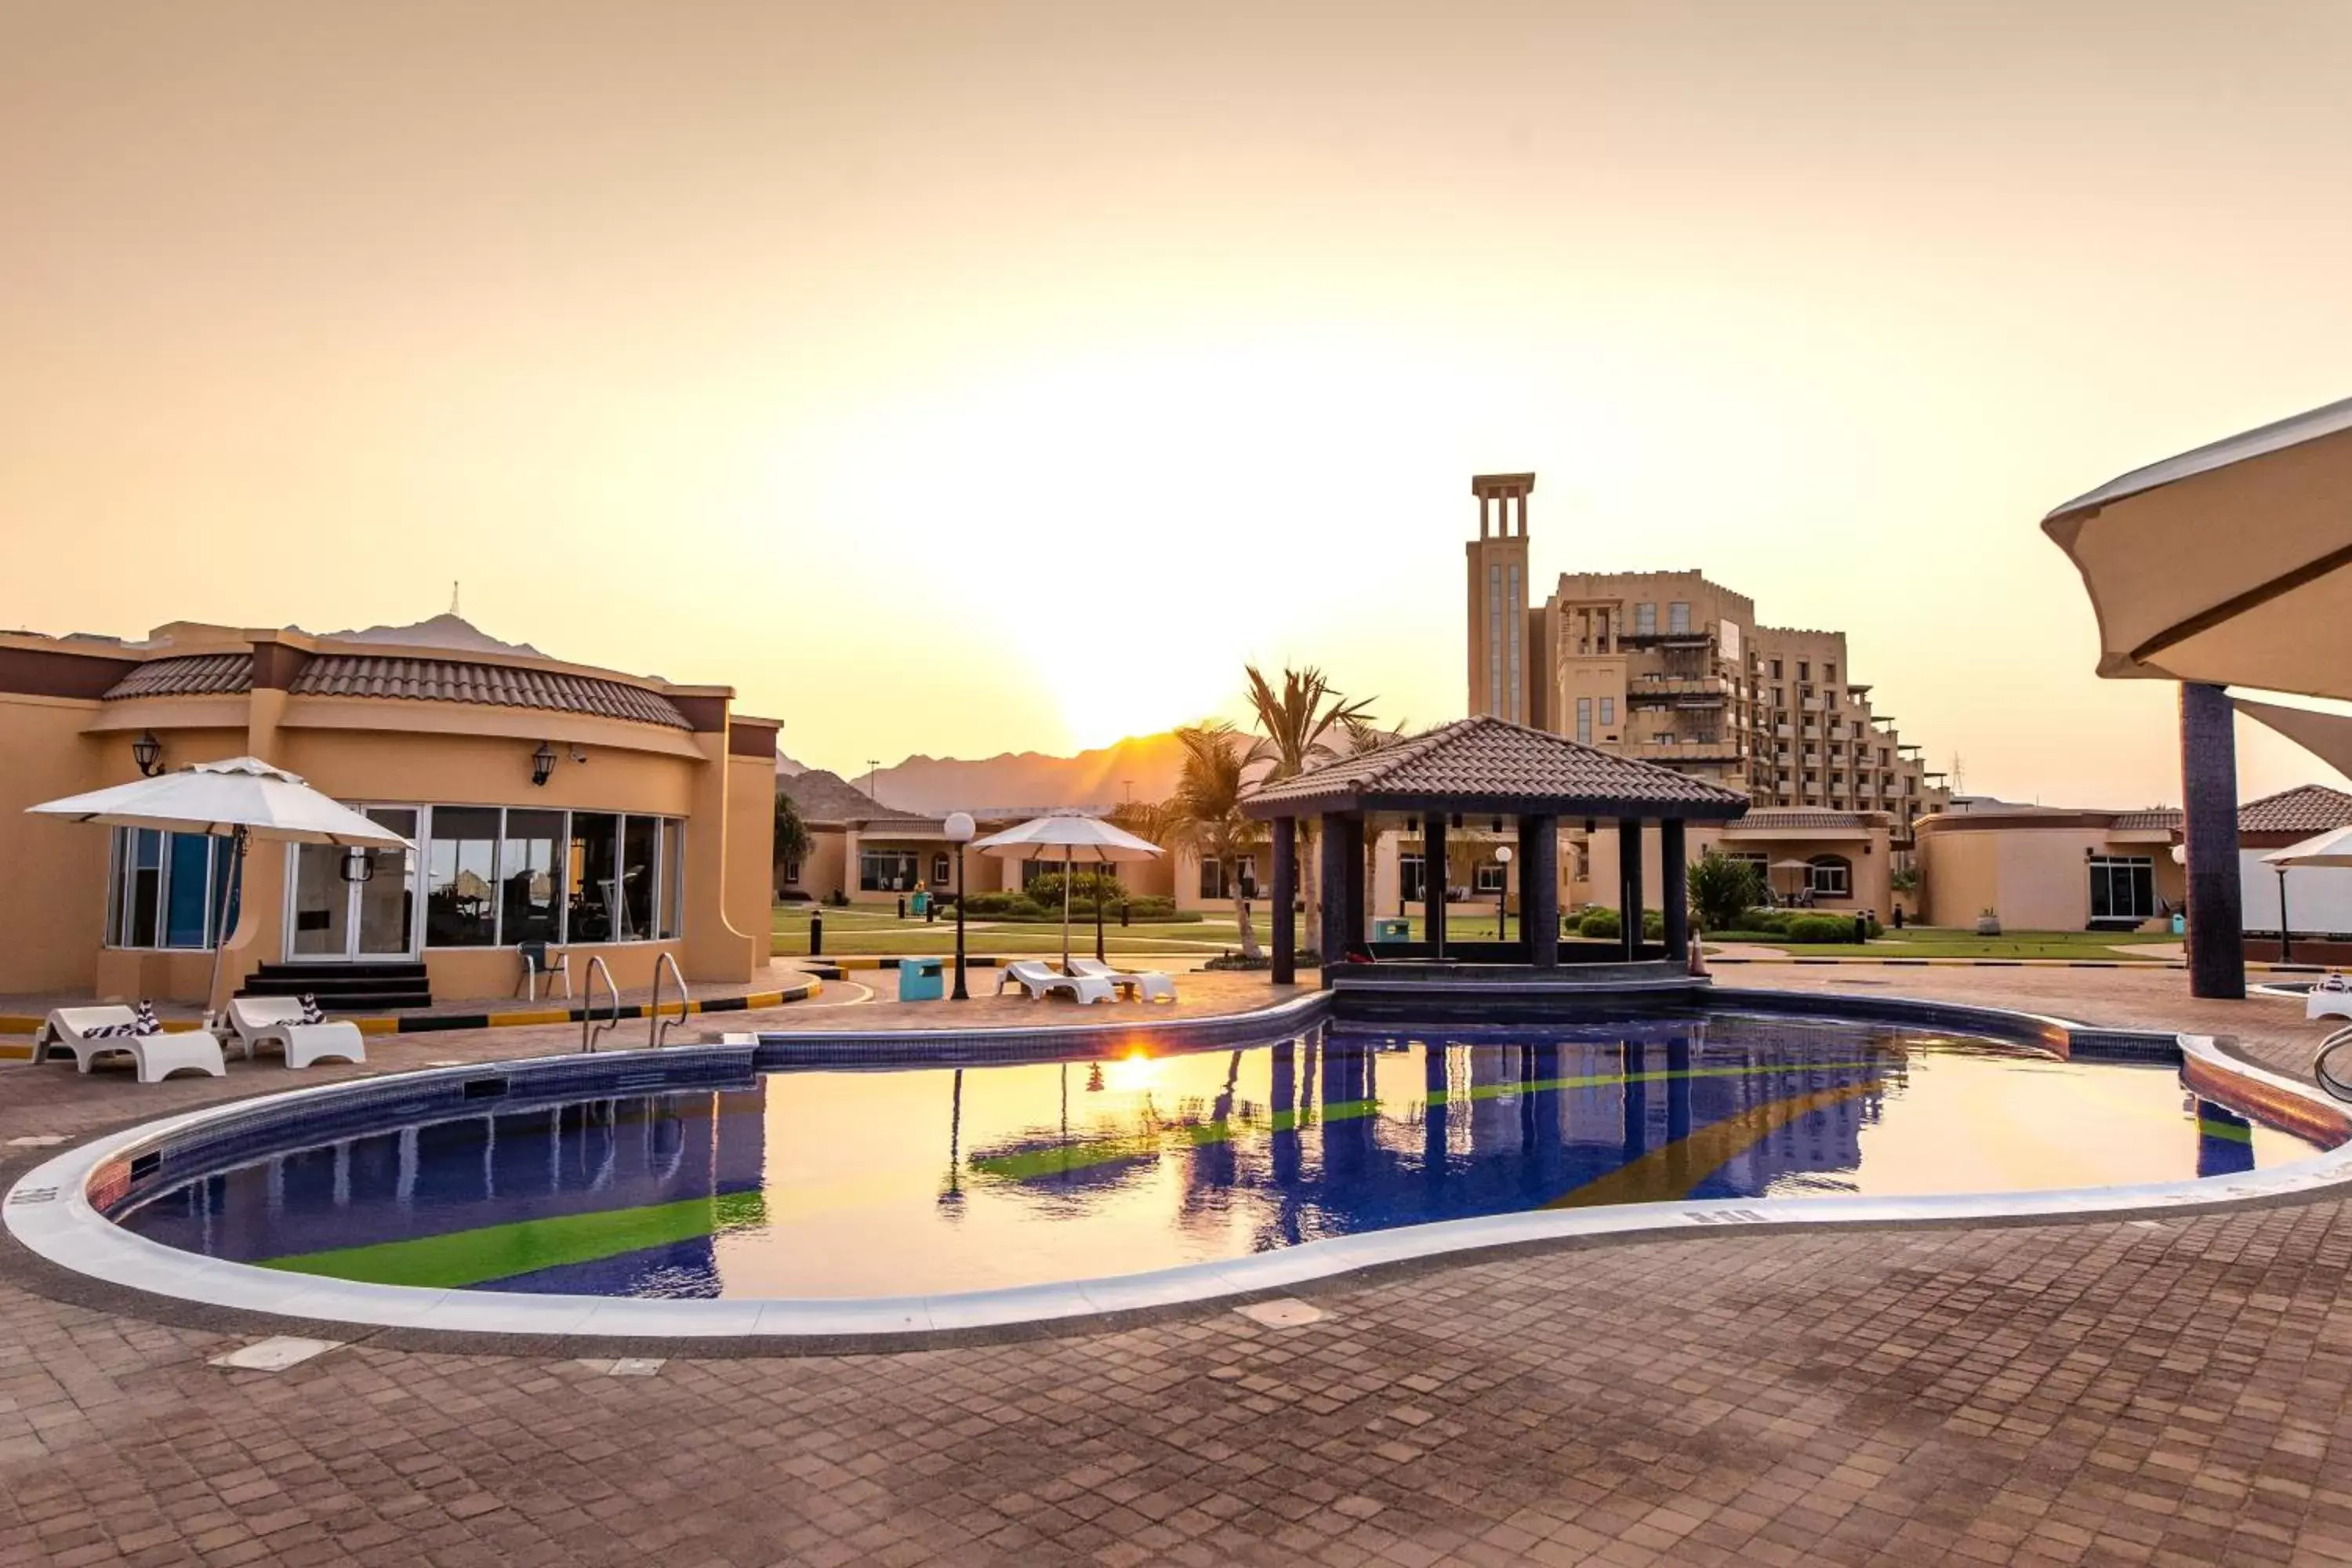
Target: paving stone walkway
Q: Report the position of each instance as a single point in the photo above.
(2170, 1392)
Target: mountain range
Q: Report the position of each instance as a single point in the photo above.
(1141, 767)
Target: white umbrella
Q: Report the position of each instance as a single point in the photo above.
(238, 799)
(2333, 848)
(1086, 839)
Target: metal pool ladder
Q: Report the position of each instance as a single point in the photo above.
(2330, 1077)
(657, 1025)
(589, 1028)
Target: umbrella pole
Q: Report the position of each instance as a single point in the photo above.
(1099, 878)
(229, 886)
(1065, 909)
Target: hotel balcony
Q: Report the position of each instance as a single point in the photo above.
(1713, 749)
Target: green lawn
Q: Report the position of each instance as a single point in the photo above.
(856, 931)
(1925, 942)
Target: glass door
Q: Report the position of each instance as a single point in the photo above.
(349, 906)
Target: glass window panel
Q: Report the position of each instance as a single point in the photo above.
(115, 857)
(144, 895)
(529, 857)
(593, 893)
(638, 840)
(894, 870)
(673, 904)
(190, 878)
(461, 874)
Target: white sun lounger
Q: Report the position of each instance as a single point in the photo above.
(1147, 984)
(260, 1020)
(2331, 998)
(1040, 981)
(70, 1030)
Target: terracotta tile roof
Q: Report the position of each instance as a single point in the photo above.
(1505, 766)
(824, 797)
(2160, 819)
(2306, 809)
(1763, 819)
(189, 675)
(492, 685)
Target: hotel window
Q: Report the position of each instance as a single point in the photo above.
(592, 886)
(1804, 671)
(1215, 884)
(939, 871)
(1776, 675)
(1412, 885)
(1831, 876)
(1608, 712)
(1678, 617)
(461, 874)
(1645, 620)
(495, 877)
(1584, 721)
(894, 870)
(1488, 877)
(163, 890)
(1829, 672)
(529, 854)
(2123, 887)
(673, 851)
(793, 872)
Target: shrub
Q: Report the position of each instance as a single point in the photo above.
(1763, 920)
(1086, 887)
(1654, 925)
(1721, 888)
(1014, 905)
(1820, 928)
(1601, 925)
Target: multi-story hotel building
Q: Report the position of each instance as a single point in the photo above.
(1673, 669)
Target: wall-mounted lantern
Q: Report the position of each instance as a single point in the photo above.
(542, 763)
(358, 866)
(148, 753)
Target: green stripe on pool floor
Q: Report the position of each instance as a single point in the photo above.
(463, 1258)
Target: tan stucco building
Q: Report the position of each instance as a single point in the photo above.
(2061, 868)
(1673, 669)
(608, 814)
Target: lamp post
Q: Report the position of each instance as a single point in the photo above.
(960, 830)
(1502, 894)
(2286, 938)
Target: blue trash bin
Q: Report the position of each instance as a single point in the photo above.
(921, 980)
(1391, 931)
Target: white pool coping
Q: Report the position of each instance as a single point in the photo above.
(48, 1210)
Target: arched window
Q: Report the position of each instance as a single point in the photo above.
(1832, 876)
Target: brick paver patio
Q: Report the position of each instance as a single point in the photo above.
(2166, 1391)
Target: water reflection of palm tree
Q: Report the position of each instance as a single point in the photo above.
(952, 1199)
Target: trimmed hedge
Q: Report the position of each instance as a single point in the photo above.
(1601, 925)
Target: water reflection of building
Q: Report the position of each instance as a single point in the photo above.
(478, 1173)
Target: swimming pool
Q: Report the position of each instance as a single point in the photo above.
(838, 1185)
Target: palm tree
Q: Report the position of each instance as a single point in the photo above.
(1305, 722)
(1204, 814)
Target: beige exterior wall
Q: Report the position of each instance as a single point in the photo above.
(2031, 870)
(360, 751)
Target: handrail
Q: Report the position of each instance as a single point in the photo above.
(2341, 1088)
(656, 1026)
(588, 1035)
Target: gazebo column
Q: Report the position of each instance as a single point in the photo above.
(1433, 882)
(2209, 800)
(1629, 884)
(1286, 900)
(1351, 879)
(1332, 871)
(1674, 870)
(1539, 889)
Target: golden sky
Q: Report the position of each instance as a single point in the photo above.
(962, 377)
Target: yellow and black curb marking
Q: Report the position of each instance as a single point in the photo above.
(433, 1022)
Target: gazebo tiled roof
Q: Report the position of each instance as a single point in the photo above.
(1491, 764)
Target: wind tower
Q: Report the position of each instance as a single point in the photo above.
(1501, 682)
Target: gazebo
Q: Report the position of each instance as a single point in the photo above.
(1488, 776)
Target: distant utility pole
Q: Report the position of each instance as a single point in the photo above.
(1959, 775)
(871, 763)
(1130, 790)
